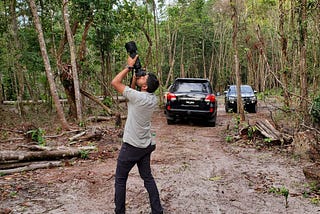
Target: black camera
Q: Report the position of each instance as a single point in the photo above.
(132, 50)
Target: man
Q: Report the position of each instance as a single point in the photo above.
(137, 144)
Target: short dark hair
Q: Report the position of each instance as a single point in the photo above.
(152, 82)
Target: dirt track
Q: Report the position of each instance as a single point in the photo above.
(196, 170)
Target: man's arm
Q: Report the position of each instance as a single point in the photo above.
(133, 82)
(117, 80)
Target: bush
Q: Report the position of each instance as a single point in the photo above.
(315, 110)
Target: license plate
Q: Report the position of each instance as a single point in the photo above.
(190, 102)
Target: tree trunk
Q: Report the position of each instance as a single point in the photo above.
(82, 48)
(234, 5)
(303, 58)
(15, 51)
(53, 89)
(103, 71)
(73, 61)
(204, 60)
(182, 72)
(172, 53)
(284, 58)
(66, 73)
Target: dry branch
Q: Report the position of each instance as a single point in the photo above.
(77, 136)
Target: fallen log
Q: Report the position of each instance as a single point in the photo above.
(59, 153)
(102, 118)
(13, 165)
(269, 131)
(97, 100)
(31, 166)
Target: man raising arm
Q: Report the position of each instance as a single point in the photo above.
(137, 143)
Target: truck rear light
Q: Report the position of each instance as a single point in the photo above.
(171, 97)
(210, 98)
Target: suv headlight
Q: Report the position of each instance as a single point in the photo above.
(232, 99)
(253, 99)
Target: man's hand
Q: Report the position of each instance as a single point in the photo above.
(132, 61)
(117, 80)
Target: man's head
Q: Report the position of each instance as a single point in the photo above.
(148, 82)
(152, 82)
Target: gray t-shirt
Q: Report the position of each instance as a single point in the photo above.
(140, 108)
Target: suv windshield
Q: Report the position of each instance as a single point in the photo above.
(187, 87)
(245, 89)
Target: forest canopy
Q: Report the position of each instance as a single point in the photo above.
(277, 45)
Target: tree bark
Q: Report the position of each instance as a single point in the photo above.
(303, 59)
(15, 51)
(53, 89)
(234, 5)
(204, 59)
(73, 61)
(284, 58)
(172, 53)
(66, 72)
(182, 72)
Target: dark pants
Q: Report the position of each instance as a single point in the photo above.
(128, 157)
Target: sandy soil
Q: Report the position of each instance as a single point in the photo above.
(196, 170)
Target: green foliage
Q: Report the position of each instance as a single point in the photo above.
(198, 32)
(107, 101)
(312, 192)
(236, 119)
(84, 154)
(251, 131)
(315, 109)
(281, 191)
(267, 140)
(13, 194)
(38, 136)
(82, 124)
(315, 200)
(229, 138)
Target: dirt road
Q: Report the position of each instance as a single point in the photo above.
(196, 170)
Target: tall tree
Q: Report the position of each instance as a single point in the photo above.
(303, 59)
(76, 85)
(53, 88)
(17, 68)
(235, 18)
(284, 57)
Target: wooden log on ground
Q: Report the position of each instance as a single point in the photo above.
(60, 153)
(97, 100)
(31, 166)
(269, 131)
(103, 118)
